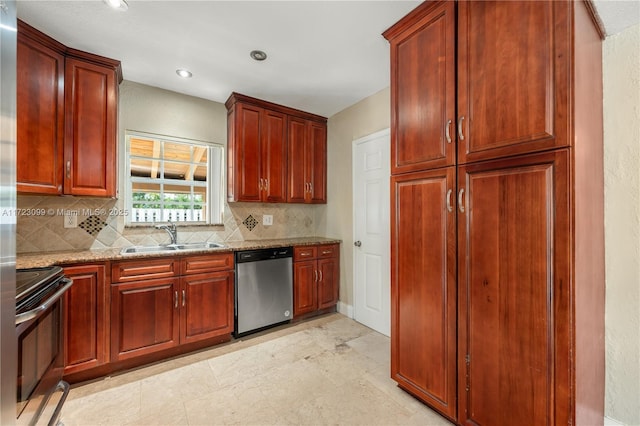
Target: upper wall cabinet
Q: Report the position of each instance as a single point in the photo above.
(67, 118)
(275, 154)
(511, 88)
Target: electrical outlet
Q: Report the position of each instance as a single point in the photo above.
(267, 219)
(70, 221)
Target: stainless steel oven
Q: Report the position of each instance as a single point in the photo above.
(39, 307)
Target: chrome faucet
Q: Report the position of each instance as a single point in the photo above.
(171, 230)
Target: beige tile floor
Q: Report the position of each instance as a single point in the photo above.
(330, 370)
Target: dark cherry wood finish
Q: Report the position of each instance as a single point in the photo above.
(181, 301)
(316, 278)
(513, 70)
(274, 153)
(67, 118)
(423, 90)
(423, 286)
(40, 113)
(144, 317)
(530, 244)
(91, 100)
(86, 318)
(207, 304)
(514, 293)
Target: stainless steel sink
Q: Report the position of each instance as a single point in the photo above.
(170, 248)
(197, 246)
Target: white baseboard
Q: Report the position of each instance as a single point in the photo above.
(610, 422)
(345, 309)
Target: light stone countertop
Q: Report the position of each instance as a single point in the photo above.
(37, 260)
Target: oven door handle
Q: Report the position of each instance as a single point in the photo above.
(33, 313)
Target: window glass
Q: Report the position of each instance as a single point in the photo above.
(173, 179)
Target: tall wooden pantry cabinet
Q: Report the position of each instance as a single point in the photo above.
(497, 211)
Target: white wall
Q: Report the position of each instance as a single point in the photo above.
(621, 68)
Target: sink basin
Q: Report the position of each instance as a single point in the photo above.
(147, 249)
(196, 246)
(170, 248)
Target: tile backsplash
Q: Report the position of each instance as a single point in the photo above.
(101, 224)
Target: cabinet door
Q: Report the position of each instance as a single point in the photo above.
(513, 74)
(86, 318)
(515, 291)
(144, 317)
(328, 282)
(274, 157)
(207, 306)
(317, 162)
(423, 92)
(423, 287)
(305, 294)
(247, 153)
(40, 118)
(298, 184)
(91, 129)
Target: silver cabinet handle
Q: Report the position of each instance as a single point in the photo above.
(315, 274)
(311, 187)
(357, 243)
(320, 275)
(184, 297)
(175, 300)
(449, 208)
(460, 134)
(447, 132)
(460, 200)
(68, 169)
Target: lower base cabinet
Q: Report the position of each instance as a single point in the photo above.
(316, 278)
(150, 314)
(86, 318)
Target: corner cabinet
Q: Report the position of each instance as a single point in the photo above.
(275, 154)
(67, 104)
(497, 211)
(161, 303)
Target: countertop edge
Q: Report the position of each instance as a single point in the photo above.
(44, 259)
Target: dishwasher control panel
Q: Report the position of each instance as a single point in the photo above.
(263, 254)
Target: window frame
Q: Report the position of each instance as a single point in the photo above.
(214, 185)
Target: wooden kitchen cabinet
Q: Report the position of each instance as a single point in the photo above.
(144, 317)
(526, 189)
(423, 71)
(86, 318)
(257, 153)
(161, 303)
(316, 278)
(274, 153)
(40, 113)
(424, 287)
(307, 161)
(67, 118)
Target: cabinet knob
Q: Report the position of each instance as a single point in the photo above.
(357, 243)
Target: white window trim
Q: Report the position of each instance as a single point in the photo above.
(215, 187)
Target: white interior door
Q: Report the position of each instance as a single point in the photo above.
(371, 169)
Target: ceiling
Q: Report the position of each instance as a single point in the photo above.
(323, 56)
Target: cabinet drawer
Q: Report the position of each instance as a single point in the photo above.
(207, 263)
(328, 251)
(144, 269)
(304, 253)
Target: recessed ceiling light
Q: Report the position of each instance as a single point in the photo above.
(117, 4)
(258, 55)
(184, 73)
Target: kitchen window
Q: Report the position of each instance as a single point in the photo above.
(174, 179)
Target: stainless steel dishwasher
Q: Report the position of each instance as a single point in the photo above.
(264, 289)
